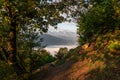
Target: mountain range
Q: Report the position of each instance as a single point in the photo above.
(61, 37)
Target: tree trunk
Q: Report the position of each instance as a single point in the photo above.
(12, 44)
(12, 48)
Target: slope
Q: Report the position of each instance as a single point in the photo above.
(95, 60)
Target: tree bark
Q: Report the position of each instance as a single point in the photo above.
(12, 50)
(11, 45)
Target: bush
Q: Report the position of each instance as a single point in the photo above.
(35, 59)
(61, 53)
(114, 46)
(7, 72)
(27, 62)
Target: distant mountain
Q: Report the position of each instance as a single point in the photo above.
(61, 37)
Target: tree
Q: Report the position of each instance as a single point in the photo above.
(62, 53)
(101, 18)
(17, 17)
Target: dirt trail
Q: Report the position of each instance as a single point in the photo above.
(67, 71)
(70, 70)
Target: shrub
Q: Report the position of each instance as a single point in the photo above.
(61, 53)
(7, 72)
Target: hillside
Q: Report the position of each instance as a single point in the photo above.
(95, 60)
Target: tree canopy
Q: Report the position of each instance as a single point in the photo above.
(19, 22)
(99, 19)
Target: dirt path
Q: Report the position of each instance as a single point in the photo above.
(67, 71)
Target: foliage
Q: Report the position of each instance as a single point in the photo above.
(40, 58)
(32, 61)
(70, 52)
(61, 53)
(26, 17)
(7, 72)
(19, 22)
(114, 46)
(104, 57)
(28, 61)
(99, 19)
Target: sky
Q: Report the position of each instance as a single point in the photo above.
(65, 26)
(62, 26)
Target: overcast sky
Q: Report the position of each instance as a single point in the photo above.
(62, 26)
(65, 26)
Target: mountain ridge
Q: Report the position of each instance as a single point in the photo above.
(59, 38)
